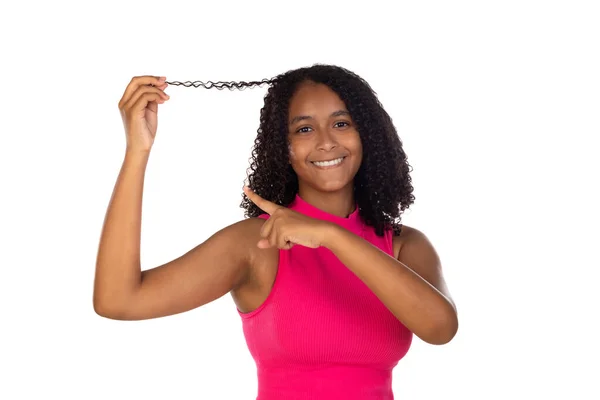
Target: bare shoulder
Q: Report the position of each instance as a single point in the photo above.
(243, 231)
(406, 233)
(412, 240)
(246, 233)
(249, 228)
(248, 225)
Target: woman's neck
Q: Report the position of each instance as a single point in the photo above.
(340, 203)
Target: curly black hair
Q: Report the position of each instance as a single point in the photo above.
(382, 185)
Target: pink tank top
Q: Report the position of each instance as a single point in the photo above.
(322, 334)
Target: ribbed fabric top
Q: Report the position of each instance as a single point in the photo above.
(322, 333)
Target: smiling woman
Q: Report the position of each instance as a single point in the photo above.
(326, 150)
(329, 285)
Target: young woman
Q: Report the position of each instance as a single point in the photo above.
(329, 285)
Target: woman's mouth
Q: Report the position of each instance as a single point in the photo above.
(328, 164)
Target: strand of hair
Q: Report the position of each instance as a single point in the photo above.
(241, 85)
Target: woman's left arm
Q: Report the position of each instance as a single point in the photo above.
(412, 287)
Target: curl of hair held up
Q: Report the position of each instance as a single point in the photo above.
(382, 185)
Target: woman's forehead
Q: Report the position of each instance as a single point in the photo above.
(316, 100)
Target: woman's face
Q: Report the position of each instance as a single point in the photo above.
(321, 130)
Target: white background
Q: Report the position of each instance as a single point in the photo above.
(496, 104)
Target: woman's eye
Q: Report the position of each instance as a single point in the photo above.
(341, 122)
(301, 130)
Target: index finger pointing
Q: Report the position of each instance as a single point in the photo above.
(265, 205)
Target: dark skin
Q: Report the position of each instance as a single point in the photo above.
(410, 284)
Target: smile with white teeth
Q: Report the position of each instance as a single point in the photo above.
(328, 163)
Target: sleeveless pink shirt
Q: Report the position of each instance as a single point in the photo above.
(322, 334)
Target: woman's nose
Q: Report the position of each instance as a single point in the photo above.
(326, 140)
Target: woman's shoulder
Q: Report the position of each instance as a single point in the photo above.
(398, 240)
(250, 224)
(244, 231)
(250, 228)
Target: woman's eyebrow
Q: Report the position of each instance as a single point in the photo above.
(303, 117)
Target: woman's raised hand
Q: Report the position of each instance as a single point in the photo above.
(139, 107)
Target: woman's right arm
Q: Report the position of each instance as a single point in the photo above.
(203, 274)
(208, 271)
